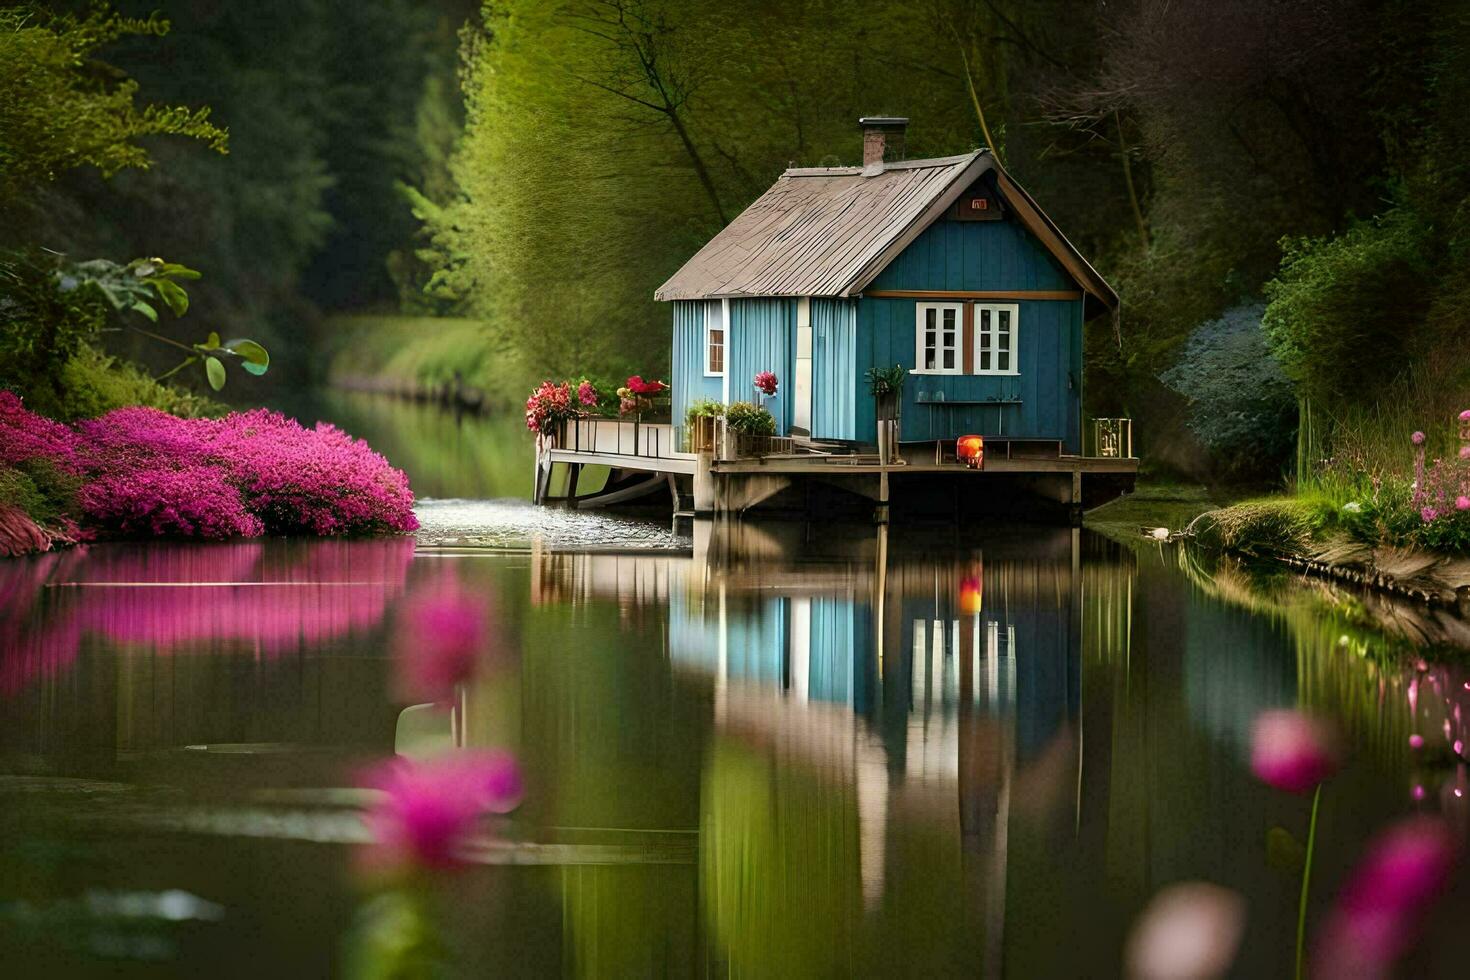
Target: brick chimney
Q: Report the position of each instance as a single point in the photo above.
(882, 141)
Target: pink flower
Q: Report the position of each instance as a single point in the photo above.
(1428, 514)
(1465, 452)
(1465, 415)
(439, 641)
(549, 403)
(1378, 911)
(587, 393)
(765, 383)
(429, 811)
(1462, 502)
(1291, 751)
(638, 386)
(1417, 438)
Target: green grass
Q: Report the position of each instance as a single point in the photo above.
(1171, 505)
(1264, 527)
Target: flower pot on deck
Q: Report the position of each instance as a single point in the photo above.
(702, 434)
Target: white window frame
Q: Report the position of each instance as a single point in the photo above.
(995, 310)
(959, 338)
(716, 310)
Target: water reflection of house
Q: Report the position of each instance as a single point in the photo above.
(868, 694)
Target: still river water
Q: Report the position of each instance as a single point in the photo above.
(761, 751)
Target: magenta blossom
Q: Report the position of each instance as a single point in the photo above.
(1428, 514)
(1462, 502)
(587, 394)
(1465, 415)
(766, 383)
(1379, 910)
(1417, 438)
(1465, 452)
(1291, 751)
(439, 640)
(428, 812)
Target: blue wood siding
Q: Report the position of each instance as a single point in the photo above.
(851, 336)
(835, 383)
(763, 338)
(974, 255)
(688, 381)
(1048, 387)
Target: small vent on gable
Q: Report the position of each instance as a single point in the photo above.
(977, 204)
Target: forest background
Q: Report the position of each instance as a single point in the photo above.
(1277, 188)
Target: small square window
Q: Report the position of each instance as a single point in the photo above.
(937, 338)
(995, 339)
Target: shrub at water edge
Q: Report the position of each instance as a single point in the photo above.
(142, 472)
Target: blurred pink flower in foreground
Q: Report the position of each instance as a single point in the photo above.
(1291, 751)
(429, 810)
(439, 639)
(1190, 930)
(1379, 910)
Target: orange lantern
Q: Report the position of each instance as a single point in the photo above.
(970, 450)
(971, 595)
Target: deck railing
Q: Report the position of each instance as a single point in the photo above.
(624, 437)
(731, 444)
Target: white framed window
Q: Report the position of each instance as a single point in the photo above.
(937, 338)
(714, 339)
(995, 338)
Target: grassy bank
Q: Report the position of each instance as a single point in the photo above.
(419, 356)
(1170, 505)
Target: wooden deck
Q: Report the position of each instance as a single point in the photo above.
(838, 465)
(646, 459)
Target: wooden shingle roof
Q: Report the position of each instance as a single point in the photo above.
(830, 231)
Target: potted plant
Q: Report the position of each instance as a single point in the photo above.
(549, 408)
(751, 427)
(886, 387)
(701, 420)
(637, 395)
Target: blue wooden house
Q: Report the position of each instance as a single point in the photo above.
(944, 266)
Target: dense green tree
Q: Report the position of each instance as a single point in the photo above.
(607, 140)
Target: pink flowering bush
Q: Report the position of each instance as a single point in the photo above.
(318, 481)
(139, 471)
(26, 436)
(191, 502)
(1440, 494)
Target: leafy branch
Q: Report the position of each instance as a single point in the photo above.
(142, 284)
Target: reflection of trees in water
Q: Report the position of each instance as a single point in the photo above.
(1377, 685)
(779, 867)
(448, 454)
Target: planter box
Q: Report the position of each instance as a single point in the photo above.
(739, 445)
(702, 434)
